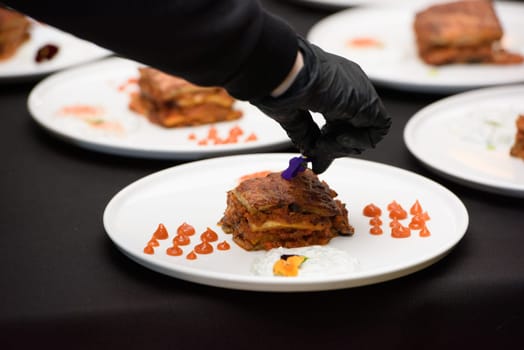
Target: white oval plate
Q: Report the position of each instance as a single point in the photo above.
(395, 63)
(71, 51)
(102, 84)
(195, 193)
(467, 137)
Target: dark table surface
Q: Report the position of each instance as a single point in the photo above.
(64, 283)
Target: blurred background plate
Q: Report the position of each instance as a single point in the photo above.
(71, 51)
(381, 40)
(105, 87)
(467, 137)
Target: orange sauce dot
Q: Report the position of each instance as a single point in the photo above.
(223, 246)
(251, 137)
(209, 236)
(204, 248)
(236, 131)
(191, 256)
(186, 230)
(149, 250)
(424, 232)
(415, 208)
(394, 223)
(362, 42)
(161, 232)
(417, 222)
(372, 210)
(393, 205)
(153, 242)
(192, 136)
(181, 240)
(375, 221)
(174, 251)
(400, 232)
(375, 230)
(398, 213)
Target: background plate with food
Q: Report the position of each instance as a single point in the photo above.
(90, 106)
(382, 40)
(468, 138)
(68, 51)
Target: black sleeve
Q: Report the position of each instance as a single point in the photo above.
(231, 43)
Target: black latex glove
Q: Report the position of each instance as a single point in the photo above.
(337, 88)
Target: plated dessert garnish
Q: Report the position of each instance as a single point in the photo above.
(171, 101)
(467, 31)
(270, 211)
(517, 150)
(14, 31)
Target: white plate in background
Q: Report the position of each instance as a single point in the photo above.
(71, 51)
(195, 193)
(467, 137)
(394, 61)
(105, 85)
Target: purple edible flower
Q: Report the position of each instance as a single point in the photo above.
(296, 165)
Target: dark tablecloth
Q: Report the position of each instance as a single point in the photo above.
(64, 283)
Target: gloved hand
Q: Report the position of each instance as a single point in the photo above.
(355, 118)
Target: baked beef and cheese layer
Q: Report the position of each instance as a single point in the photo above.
(269, 212)
(171, 101)
(465, 31)
(517, 150)
(14, 31)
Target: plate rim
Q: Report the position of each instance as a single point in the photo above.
(269, 283)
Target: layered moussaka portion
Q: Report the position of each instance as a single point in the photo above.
(269, 212)
(171, 101)
(467, 31)
(517, 150)
(14, 31)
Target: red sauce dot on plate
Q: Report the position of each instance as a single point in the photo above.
(149, 250)
(371, 210)
(424, 232)
(400, 232)
(191, 256)
(415, 208)
(181, 240)
(375, 221)
(186, 230)
(223, 246)
(398, 213)
(209, 235)
(375, 230)
(204, 248)
(174, 251)
(161, 232)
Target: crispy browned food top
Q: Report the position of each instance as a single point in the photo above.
(305, 192)
(460, 23)
(11, 19)
(163, 87)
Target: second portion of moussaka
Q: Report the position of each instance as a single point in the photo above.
(14, 31)
(467, 31)
(171, 101)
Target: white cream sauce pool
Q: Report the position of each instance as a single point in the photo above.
(321, 261)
